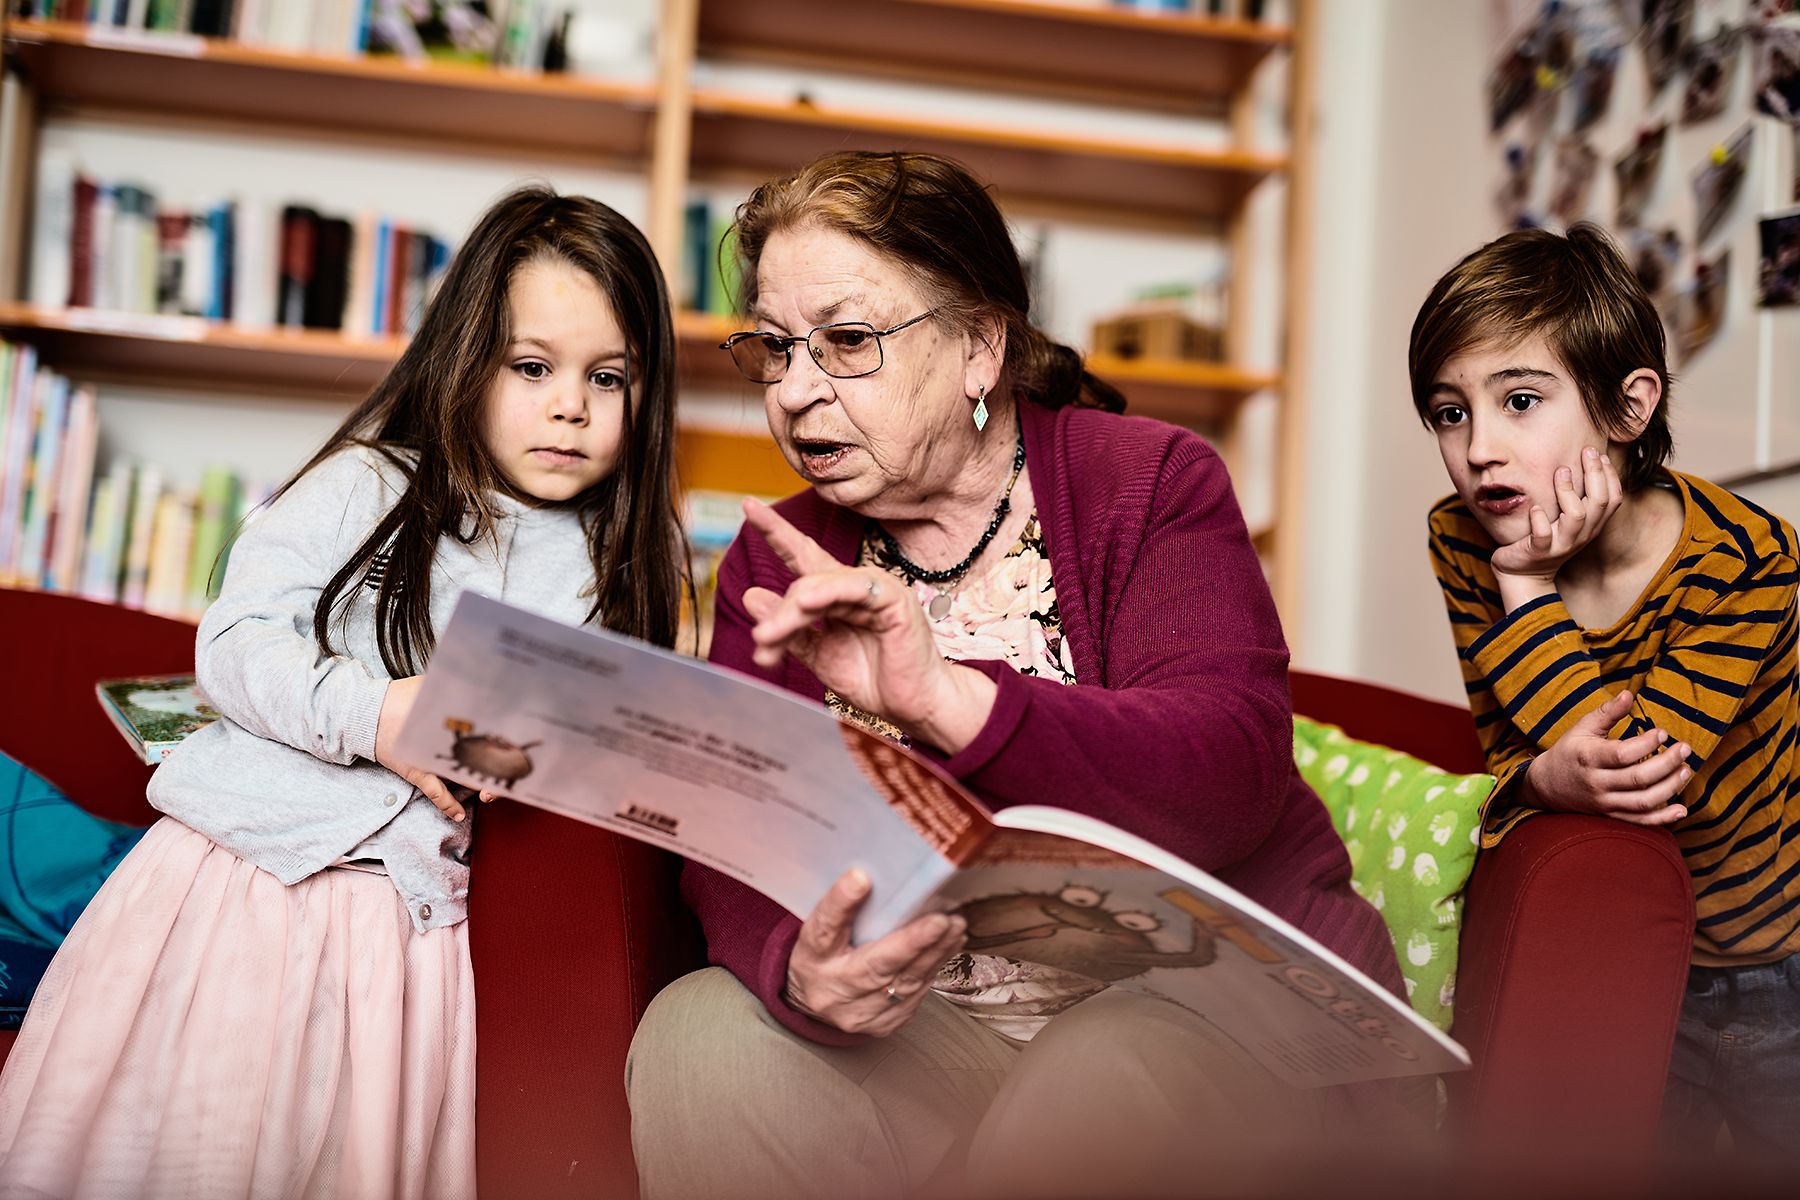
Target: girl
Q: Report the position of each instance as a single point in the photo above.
(272, 994)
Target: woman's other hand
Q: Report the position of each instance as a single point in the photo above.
(872, 989)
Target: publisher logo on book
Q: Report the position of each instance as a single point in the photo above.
(649, 819)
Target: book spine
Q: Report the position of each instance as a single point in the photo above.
(171, 541)
(196, 265)
(695, 265)
(106, 540)
(21, 421)
(144, 495)
(360, 304)
(223, 223)
(70, 533)
(53, 230)
(106, 216)
(171, 251)
(41, 496)
(297, 230)
(384, 260)
(81, 242)
(253, 265)
(330, 270)
(397, 275)
(218, 497)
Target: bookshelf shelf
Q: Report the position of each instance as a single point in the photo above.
(1166, 59)
(188, 76)
(1204, 394)
(173, 350)
(754, 136)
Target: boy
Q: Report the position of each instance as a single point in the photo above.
(1575, 566)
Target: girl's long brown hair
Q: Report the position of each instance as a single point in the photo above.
(426, 417)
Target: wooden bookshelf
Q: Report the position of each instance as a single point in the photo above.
(464, 107)
(175, 351)
(1170, 60)
(757, 137)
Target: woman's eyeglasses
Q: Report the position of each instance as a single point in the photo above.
(846, 350)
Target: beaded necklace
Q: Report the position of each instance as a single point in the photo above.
(940, 603)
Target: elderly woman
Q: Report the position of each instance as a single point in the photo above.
(1059, 604)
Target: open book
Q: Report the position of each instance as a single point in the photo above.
(776, 791)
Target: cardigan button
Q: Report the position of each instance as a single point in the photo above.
(390, 800)
(424, 912)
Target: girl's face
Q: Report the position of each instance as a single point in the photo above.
(556, 411)
(880, 443)
(1506, 418)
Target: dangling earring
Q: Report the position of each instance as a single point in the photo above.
(981, 412)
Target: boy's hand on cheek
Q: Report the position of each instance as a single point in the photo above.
(1587, 771)
(1527, 568)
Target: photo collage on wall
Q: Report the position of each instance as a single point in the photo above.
(1626, 91)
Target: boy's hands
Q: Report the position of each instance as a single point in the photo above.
(1527, 568)
(1587, 771)
(394, 707)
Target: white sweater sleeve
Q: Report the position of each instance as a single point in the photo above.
(256, 657)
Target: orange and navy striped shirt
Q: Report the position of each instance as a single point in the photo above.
(1708, 651)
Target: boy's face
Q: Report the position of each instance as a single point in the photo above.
(1506, 418)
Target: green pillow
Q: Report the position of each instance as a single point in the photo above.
(1412, 831)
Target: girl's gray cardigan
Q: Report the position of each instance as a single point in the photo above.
(286, 779)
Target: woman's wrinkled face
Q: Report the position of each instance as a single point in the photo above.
(881, 443)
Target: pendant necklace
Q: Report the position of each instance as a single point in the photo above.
(942, 581)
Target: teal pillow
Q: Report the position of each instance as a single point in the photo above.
(1412, 831)
(54, 856)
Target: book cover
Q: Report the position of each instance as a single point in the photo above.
(153, 713)
(777, 792)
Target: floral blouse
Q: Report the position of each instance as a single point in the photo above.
(1008, 613)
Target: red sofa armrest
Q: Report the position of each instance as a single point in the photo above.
(1577, 934)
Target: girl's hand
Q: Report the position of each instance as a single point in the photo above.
(861, 633)
(872, 989)
(394, 706)
(1540, 554)
(1587, 771)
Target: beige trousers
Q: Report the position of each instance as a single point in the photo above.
(1121, 1096)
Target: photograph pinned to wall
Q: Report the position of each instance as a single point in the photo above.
(1636, 172)
(1665, 38)
(1533, 70)
(1778, 273)
(1701, 309)
(1654, 255)
(1712, 69)
(1518, 168)
(1591, 87)
(1572, 179)
(1778, 71)
(1717, 184)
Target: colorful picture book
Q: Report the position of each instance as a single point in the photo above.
(779, 793)
(153, 713)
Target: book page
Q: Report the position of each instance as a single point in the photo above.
(1116, 909)
(753, 781)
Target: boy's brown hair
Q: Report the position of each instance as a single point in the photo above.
(1578, 292)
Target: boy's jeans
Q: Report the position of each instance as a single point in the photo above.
(1737, 1063)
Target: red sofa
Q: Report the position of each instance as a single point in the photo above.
(1574, 948)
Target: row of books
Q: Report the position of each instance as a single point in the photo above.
(709, 274)
(114, 246)
(530, 34)
(370, 277)
(126, 537)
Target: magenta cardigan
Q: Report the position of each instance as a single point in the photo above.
(1180, 728)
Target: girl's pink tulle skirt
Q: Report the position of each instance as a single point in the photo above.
(207, 1032)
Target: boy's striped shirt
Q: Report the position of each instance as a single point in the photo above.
(1708, 652)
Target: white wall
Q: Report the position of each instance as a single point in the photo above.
(1401, 185)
